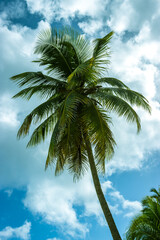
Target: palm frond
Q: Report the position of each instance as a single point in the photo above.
(146, 225)
(62, 50)
(156, 196)
(80, 48)
(42, 131)
(94, 66)
(96, 122)
(35, 78)
(78, 164)
(53, 147)
(40, 112)
(24, 129)
(70, 105)
(134, 98)
(77, 161)
(119, 106)
(83, 74)
(101, 46)
(45, 91)
(54, 53)
(101, 54)
(60, 163)
(83, 48)
(112, 82)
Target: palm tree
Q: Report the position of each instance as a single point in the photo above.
(146, 226)
(156, 195)
(78, 101)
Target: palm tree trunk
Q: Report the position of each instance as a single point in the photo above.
(102, 200)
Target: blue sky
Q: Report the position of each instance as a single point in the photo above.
(35, 204)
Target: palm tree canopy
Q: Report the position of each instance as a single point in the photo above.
(146, 226)
(78, 99)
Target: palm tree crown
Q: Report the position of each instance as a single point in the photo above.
(78, 100)
(146, 226)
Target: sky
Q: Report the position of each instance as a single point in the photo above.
(36, 205)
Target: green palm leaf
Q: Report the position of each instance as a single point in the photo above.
(112, 82)
(119, 106)
(146, 225)
(96, 122)
(53, 147)
(54, 54)
(40, 112)
(42, 131)
(41, 90)
(101, 52)
(134, 98)
(101, 46)
(35, 78)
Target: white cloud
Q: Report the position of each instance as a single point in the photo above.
(9, 192)
(12, 9)
(133, 150)
(55, 202)
(54, 199)
(91, 26)
(132, 207)
(46, 9)
(64, 9)
(22, 232)
(132, 15)
(17, 45)
(123, 10)
(81, 7)
(136, 62)
(106, 185)
(53, 239)
(8, 112)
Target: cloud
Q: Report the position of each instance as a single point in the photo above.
(132, 15)
(132, 207)
(55, 203)
(75, 8)
(46, 9)
(22, 232)
(133, 151)
(91, 26)
(9, 192)
(17, 46)
(8, 112)
(16, 9)
(57, 200)
(53, 239)
(67, 10)
(95, 15)
(135, 61)
(14, 57)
